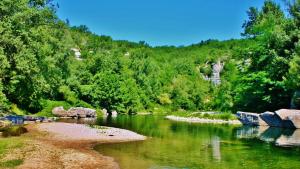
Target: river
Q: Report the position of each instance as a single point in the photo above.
(177, 145)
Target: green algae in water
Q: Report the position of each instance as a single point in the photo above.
(195, 146)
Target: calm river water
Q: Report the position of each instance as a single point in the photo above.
(177, 145)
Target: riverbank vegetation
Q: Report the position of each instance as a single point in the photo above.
(39, 70)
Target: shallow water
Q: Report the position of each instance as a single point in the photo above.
(174, 145)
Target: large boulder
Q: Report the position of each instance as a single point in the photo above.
(271, 119)
(60, 112)
(289, 118)
(252, 119)
(82, 112)
(74, 112)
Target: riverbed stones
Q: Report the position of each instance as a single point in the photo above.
(252, 119)
(75, 112)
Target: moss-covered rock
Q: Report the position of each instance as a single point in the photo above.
(5, 124)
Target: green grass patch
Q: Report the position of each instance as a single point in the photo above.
(48, 105)
(9, 143)
(11, 163)
(6, 145)
(218, 116)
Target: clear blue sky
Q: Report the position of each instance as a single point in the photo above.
(160, 22)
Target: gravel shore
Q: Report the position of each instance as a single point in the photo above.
(82, 132)
(200, 120)
(68, 146)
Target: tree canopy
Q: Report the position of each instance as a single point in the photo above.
(38, 63)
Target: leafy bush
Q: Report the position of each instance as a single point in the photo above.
(48, 105)
(16, 110)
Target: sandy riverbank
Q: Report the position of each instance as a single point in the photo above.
(200, 120)
(69, 146)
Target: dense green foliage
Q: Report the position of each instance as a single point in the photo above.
(38, 69)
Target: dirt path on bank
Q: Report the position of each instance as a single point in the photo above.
(68, 146)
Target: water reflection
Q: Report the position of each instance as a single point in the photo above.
(216, 151)
(172, 145)
(279, 136)
(78, 121)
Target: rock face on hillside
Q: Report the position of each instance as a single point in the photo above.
(74, 112)
(217, 68)
(252, 119)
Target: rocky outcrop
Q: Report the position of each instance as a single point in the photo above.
(215, 77)
(284, 118)
(252, 119)
(82, 112)
(77, 53)
(74, 112)
(59, 111)
(271, 119)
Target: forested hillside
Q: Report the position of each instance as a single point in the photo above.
(39, 68)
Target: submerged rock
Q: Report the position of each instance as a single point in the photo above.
(252, 119)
